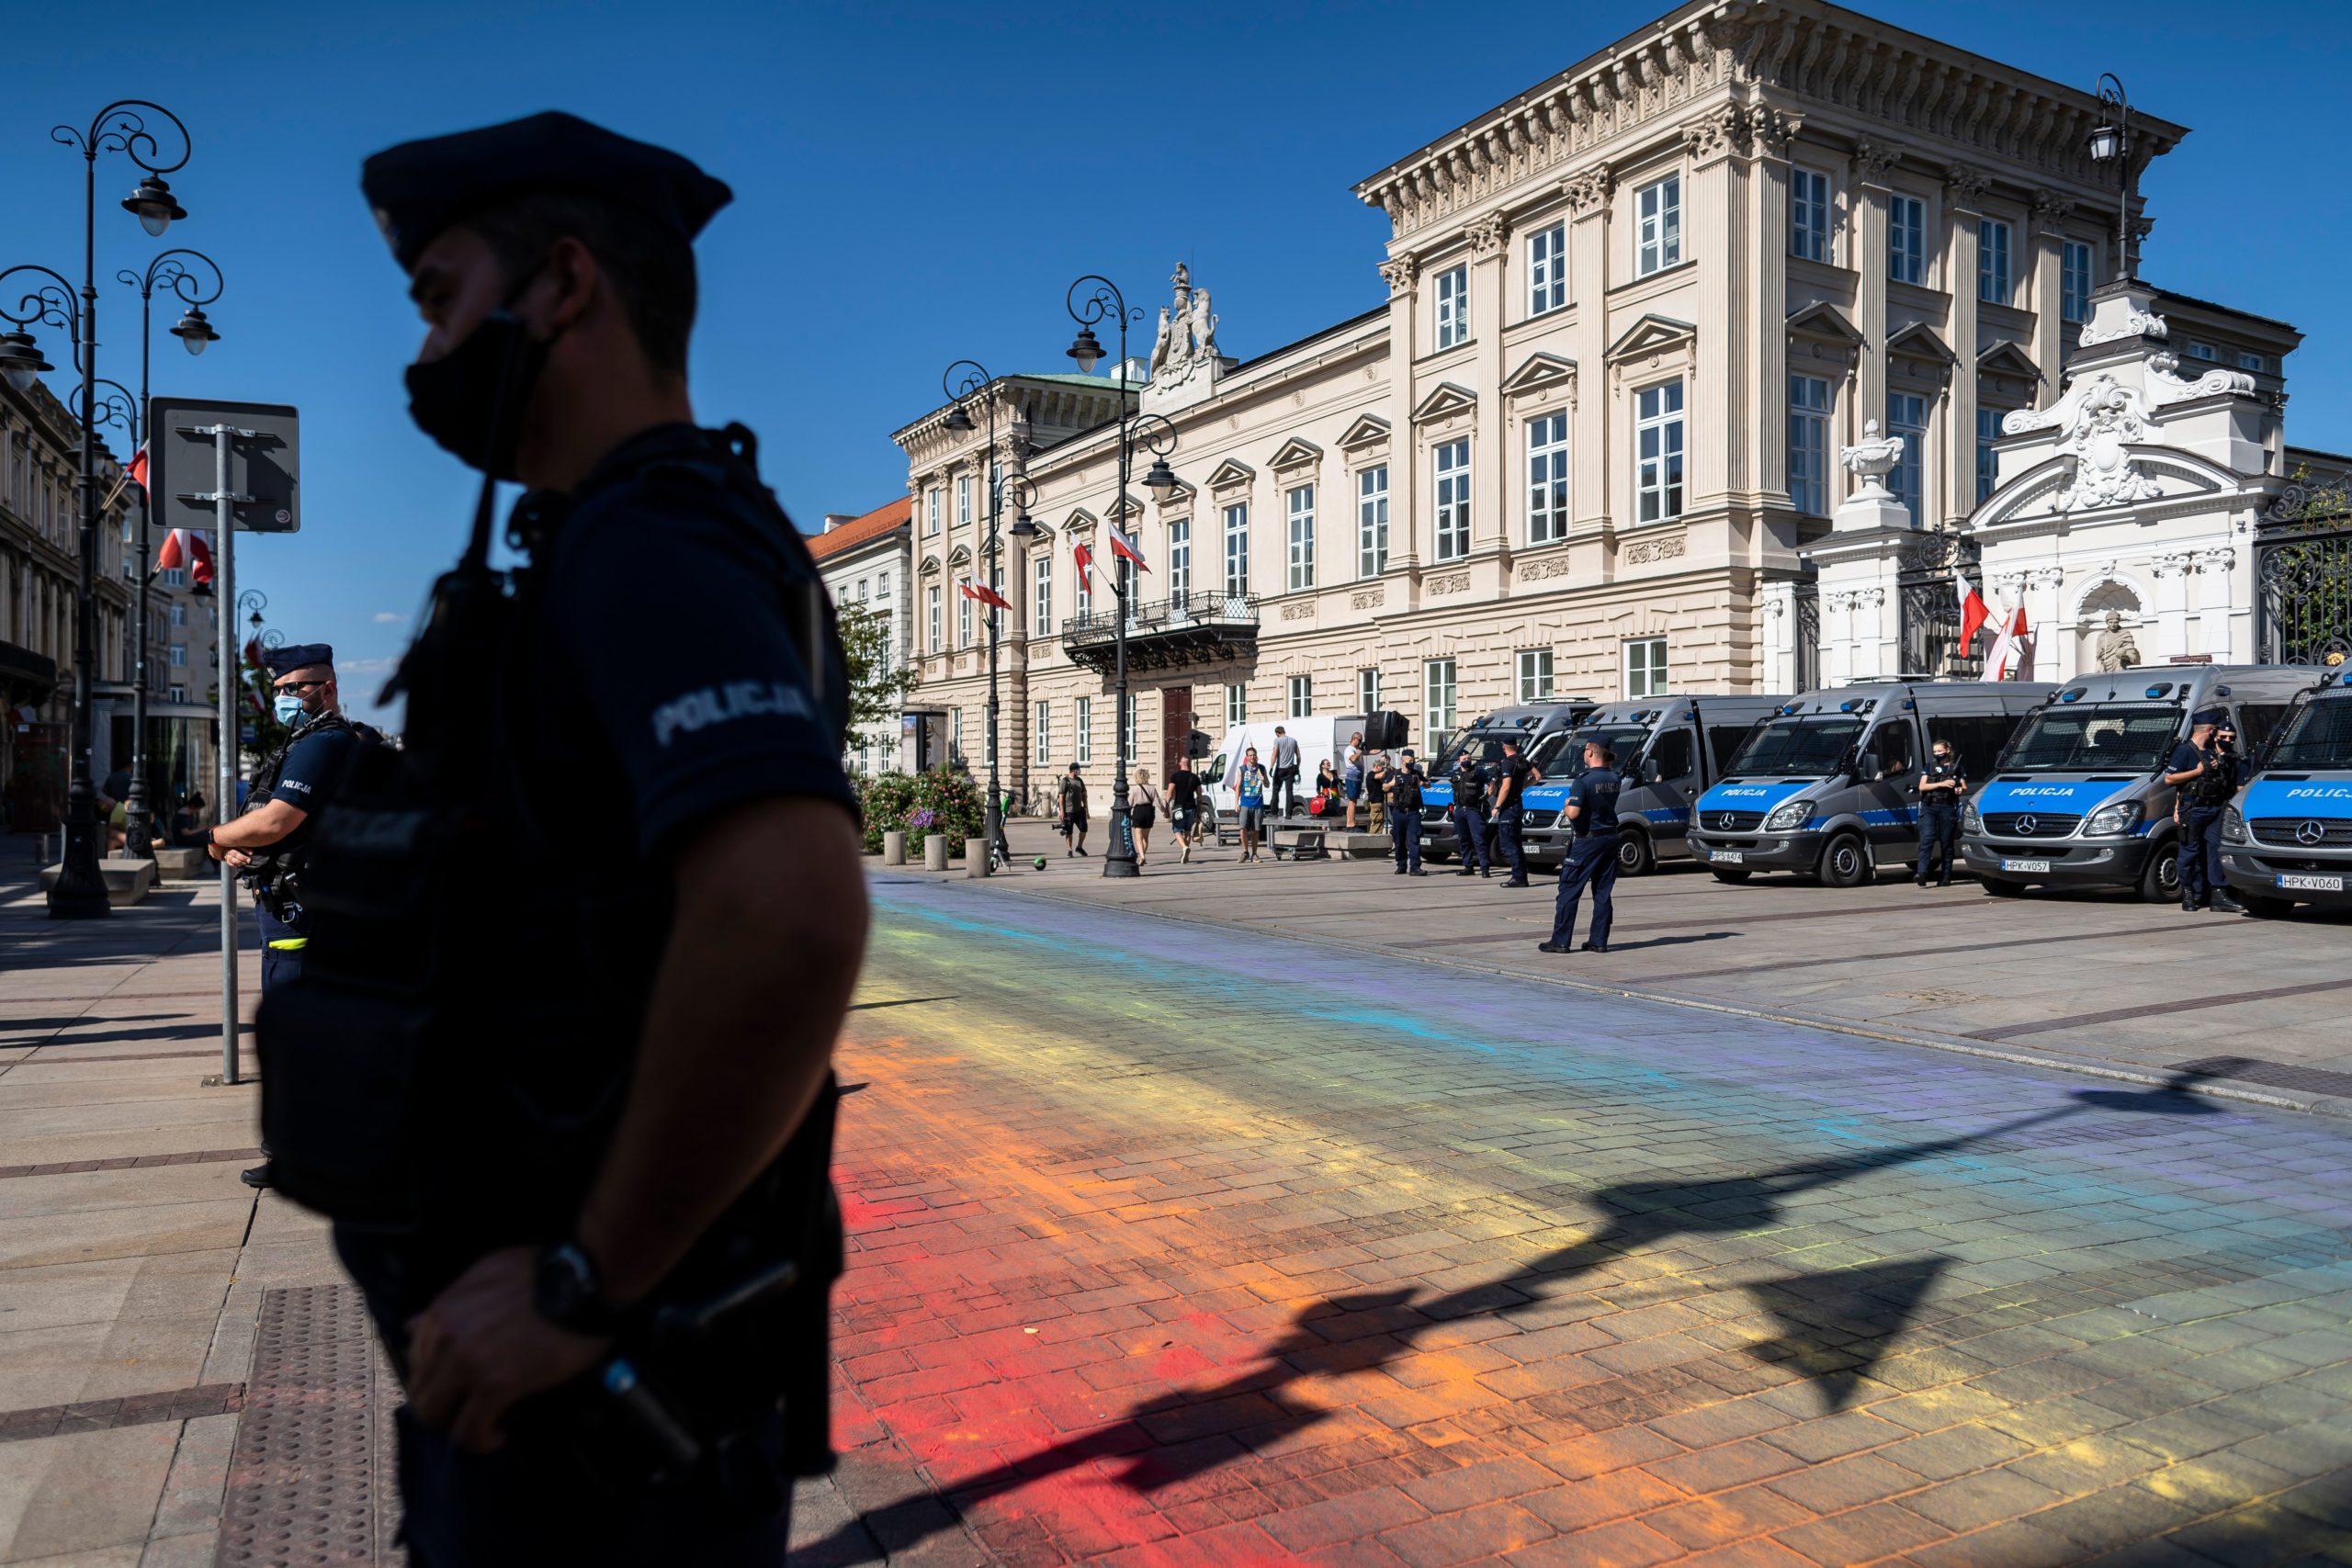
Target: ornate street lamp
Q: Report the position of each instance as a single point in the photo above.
(1157, 436)
(2111, 143)
(120, 127)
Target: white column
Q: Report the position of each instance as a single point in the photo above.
(1591, 197)
(1402, 274)
(1491, 455)
(1870, 633)
(2172, 604)
(2215, 602)
(1871, 161)
(1964, 191)
(2053, 645)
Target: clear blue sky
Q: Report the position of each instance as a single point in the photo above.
(918, 183)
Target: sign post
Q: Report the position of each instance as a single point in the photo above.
(240, 462)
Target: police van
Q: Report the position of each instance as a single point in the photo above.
(1541, 729)
(1830, 779)
(2079, 798)
(2286, 838)
(1669, 749)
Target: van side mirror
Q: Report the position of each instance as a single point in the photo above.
(1866, 766)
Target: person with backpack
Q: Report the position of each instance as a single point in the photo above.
(1251, 787)
(1404, 815)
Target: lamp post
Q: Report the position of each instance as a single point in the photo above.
(961, 389)
(196, 333)
(1157, 436)
(80, 890)
(2110, 142)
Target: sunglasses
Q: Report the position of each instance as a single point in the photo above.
(296, 688)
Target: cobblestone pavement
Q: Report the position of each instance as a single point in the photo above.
(1178, 1244)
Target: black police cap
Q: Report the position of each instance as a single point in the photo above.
(2208, 716)
(284, 662)
(419, 188)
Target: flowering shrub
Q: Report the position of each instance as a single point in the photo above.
(940, 801)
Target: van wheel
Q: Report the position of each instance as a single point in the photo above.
(1844, 862)
(2160, 878)
(2001, 887)
(2264, 907)
(1634, 856)
(1730, 873)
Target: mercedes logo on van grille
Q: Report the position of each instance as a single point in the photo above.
(1724, 820)
(2311, 833)
(2029, 826)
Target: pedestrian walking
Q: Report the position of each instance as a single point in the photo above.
(1182, 794)
(1405, 814)
(1140, 810)
(1470, 816)
(1250, 787)
(1351, 777)
(1591, 811)
(1073, 803)
(2204, 771)
(1942, 786)
(1284, 799)
(1513, 776)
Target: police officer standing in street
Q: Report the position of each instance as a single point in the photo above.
(1514, 774)
(627, 871)
(270, 843)
(1405, 814)
(1941, 787)
(2204, 768)
(1591, 812)
(1470, 816)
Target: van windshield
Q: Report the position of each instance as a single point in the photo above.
(1808, 746)
(2320, 736)
(1214, 769)
(1626, 739)
(2108, 738)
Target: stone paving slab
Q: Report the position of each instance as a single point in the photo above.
(1176, 1242)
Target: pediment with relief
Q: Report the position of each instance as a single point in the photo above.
(1368, 430)
(1079, 525)
(1446, 397)
(1822, 318)
(1918, 341)
(1296, 453)
(1232, 474)
(1651, 334)
(1539, 371)
(2002, 357)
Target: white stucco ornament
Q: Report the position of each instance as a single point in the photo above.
(2127, 321)
(1870, 461)
(2100, 417)
(2165, 385)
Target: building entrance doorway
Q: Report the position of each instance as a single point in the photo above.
(1175, 727)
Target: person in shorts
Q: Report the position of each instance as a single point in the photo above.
(1182, 794)
(1141, 812)
(1352, 776)
(1252, 786)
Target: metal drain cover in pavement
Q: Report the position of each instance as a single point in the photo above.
(311, 1480)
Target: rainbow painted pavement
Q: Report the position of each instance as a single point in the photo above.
(1175, 1245)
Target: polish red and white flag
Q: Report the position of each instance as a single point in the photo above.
(186, 546)
(136, 468)
(986, 595)
(1084, 556)
(1122, 544)
(2012, 650)
(1974, 611)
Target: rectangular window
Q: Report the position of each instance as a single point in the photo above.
(963, 500)
(882, 586)
(1302, 537)
(174, 577)
(1657, 437)
(932, 599)
(179, 694)
(1128, 732)
(1645, 667)
(1988, 430)
(1236, 707)
(2203, 351)
(861, 589)
(996, 616)
(1547, 478)
(963, 618)
(1368, 689)
(931, 514)
(2074, 283)
(1180, 562)
(1237, 551)
(1536, 674)
(1041, 598)
(1302, 696)
(1453, 307)
(1907, 239)
(1437, 707)
(1085, 740)
(1547, 270)
(1371, 522)
(1809, 445)
(1809, 214)
(956, 733)
(1452, 499)
(1085, 597)
(1906, 415)
(1658, 211)
(179, 657)
(2253, 361)
(1991, 261)
(1043, 723)
(179, 611)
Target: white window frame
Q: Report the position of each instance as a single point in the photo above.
(1988, 430)
(2076, 265)
(963, 500)
(930, 514)
(1811, 220)
(1237, 550)
(1179, 564)
(954, 732)
(1908, 479)
(1127, 730)
(1371, 521)
(1534, 674)
(1302, 696)
(1644, 665)
(2204, 351)
(1995, 278)
(1084, 719)
(1300, 502)
(179, 656)
(938, 626)
(1449, 470)
(1368, 688)
(1237, 704)
(2254, 362)
(1907, 239)
(963, 618)
(1452, 317)
(1811, 399)
(1659, 476)
(1658, 225)
(1440, 698)
(1547, 478)
(180, 614)
(1043, 723)
(1041, 595)
(1547, 270)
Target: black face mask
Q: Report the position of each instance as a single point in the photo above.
(470, 401)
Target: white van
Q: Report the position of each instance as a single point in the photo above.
(1319, 738)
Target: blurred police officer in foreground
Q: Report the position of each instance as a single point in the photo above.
(1512, 777)
(1470, 816)
(593, 930)
(1941, 785)
(1591, 811)
(2205, 769)
(272, 840)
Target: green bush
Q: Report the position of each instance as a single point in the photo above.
(940, 801)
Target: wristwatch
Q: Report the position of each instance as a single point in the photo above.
(567, 1292)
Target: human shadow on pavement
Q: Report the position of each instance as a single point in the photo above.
(1670, 941)
(1834, 1324)
(896, 1002)
(114, 1036)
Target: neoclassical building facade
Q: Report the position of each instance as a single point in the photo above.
(1633, 315)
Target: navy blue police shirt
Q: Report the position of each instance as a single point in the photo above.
(2185, 756)
(315, 760)
(1594, 794)
(676, 690)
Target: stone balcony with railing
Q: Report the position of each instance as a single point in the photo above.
(1167, 634)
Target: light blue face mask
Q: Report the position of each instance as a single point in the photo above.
(290, 711)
